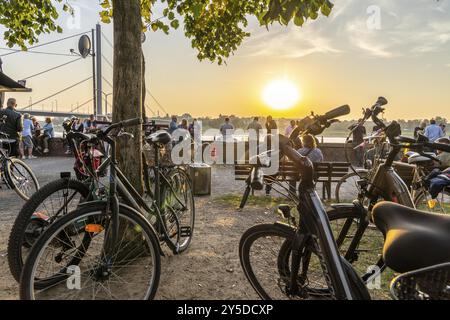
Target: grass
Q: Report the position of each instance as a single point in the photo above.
(235, 200)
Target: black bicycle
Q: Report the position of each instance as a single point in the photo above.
(125, 239)
(64, 195)
(15, 173)
(300, 258)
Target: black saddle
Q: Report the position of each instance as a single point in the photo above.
(159, 137)
(413, 239)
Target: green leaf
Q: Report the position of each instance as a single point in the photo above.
(175, 24)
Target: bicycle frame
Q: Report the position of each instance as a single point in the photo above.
(314, 218)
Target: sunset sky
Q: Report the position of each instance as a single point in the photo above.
(351, 57)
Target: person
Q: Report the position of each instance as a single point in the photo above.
(48, 133)
(36, 132)
(27, 136)
(444, 157)
(310, 150)
(442, 125)
(78, 125)
(173, 126)
(255, 125)
(183, 125)
(254, 129)
(359, 131)
(91, 124)
(420, 129)
(226, 129)
(433, 131)
(13, 125)
(290, 128)
(271, 125)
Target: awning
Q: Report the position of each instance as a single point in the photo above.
(9, 85)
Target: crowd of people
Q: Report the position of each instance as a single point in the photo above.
(194, 127)
(25, 134)
(27, 137)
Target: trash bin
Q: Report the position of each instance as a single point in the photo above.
(200, 174)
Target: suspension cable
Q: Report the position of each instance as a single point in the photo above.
(47, 43)
(55, 94)
(51, 69)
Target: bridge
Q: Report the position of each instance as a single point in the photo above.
(54, 114)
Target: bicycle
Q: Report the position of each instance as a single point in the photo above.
(359, 240)
(15, 173)
(112, 248)
(64, 195)
(307, 263)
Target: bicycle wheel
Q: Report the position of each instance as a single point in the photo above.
(45, 206)
(21, 178)
(74, 259)
(347, 188)
(178, 208)
(423, 201)
(265, 253)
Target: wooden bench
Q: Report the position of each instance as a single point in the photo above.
(328, 173)
(325, 173)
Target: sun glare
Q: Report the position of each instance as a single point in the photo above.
(281, 94)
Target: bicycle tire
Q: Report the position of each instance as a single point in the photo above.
(27, 282)
(16, 238)
(189, 198)
(11, 180)
(419, 198)
(338, 196)
(286, 232)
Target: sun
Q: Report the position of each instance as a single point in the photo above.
(281, 94)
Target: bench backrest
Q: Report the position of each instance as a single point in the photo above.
(325, 171)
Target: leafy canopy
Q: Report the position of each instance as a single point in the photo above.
(27, 19)
(216, 27)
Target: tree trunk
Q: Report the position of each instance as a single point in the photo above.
(128, 85)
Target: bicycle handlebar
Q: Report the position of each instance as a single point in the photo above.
(303, 163)
(123, 124)
(336, 113)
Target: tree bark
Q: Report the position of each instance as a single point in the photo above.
(128, 85)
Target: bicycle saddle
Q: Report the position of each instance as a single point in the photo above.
(416, 158)
(413, 239)
(161, 136)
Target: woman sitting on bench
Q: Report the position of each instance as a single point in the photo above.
(309, 149)
(48, 133)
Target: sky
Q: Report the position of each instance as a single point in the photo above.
(364, 49)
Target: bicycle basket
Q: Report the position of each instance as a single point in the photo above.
(431, 283)
(165, 158)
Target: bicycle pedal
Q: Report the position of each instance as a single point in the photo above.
(185, 231)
